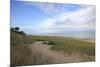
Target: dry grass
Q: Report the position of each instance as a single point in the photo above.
(71, 45)
(21, 54)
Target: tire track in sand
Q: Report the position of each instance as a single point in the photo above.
(58, 57)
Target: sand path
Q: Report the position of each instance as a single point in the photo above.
(58, 57)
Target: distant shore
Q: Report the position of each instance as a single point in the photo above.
(87, 39)
(80, 38)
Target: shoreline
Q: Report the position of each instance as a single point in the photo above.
(79, 38)
(92, 40)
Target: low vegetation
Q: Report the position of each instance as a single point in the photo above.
(70, 45)
(20, 52)
(51, 43)
(22, 55)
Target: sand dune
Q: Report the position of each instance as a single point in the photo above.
(58, 57)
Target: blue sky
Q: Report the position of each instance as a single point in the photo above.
(25, 16)
(52, 18)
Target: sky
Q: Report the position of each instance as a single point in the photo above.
(42, 18)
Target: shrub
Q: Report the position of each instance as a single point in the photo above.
(45, 43)
(51, 43)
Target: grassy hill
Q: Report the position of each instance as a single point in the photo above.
(71, 45)
(22, 55)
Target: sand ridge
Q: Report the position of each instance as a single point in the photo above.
(58, 57)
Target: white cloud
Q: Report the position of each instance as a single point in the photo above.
(53, 8)
(83, 19)
(48, 8)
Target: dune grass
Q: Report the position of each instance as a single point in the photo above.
(17, 39)
(21, 54)
(70, 45)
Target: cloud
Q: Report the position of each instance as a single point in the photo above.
(66, 17)
(54, 8)
(82, 19)
(48, 8)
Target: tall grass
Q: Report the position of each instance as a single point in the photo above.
(21, 54)
(17, 39)
(71, 45)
